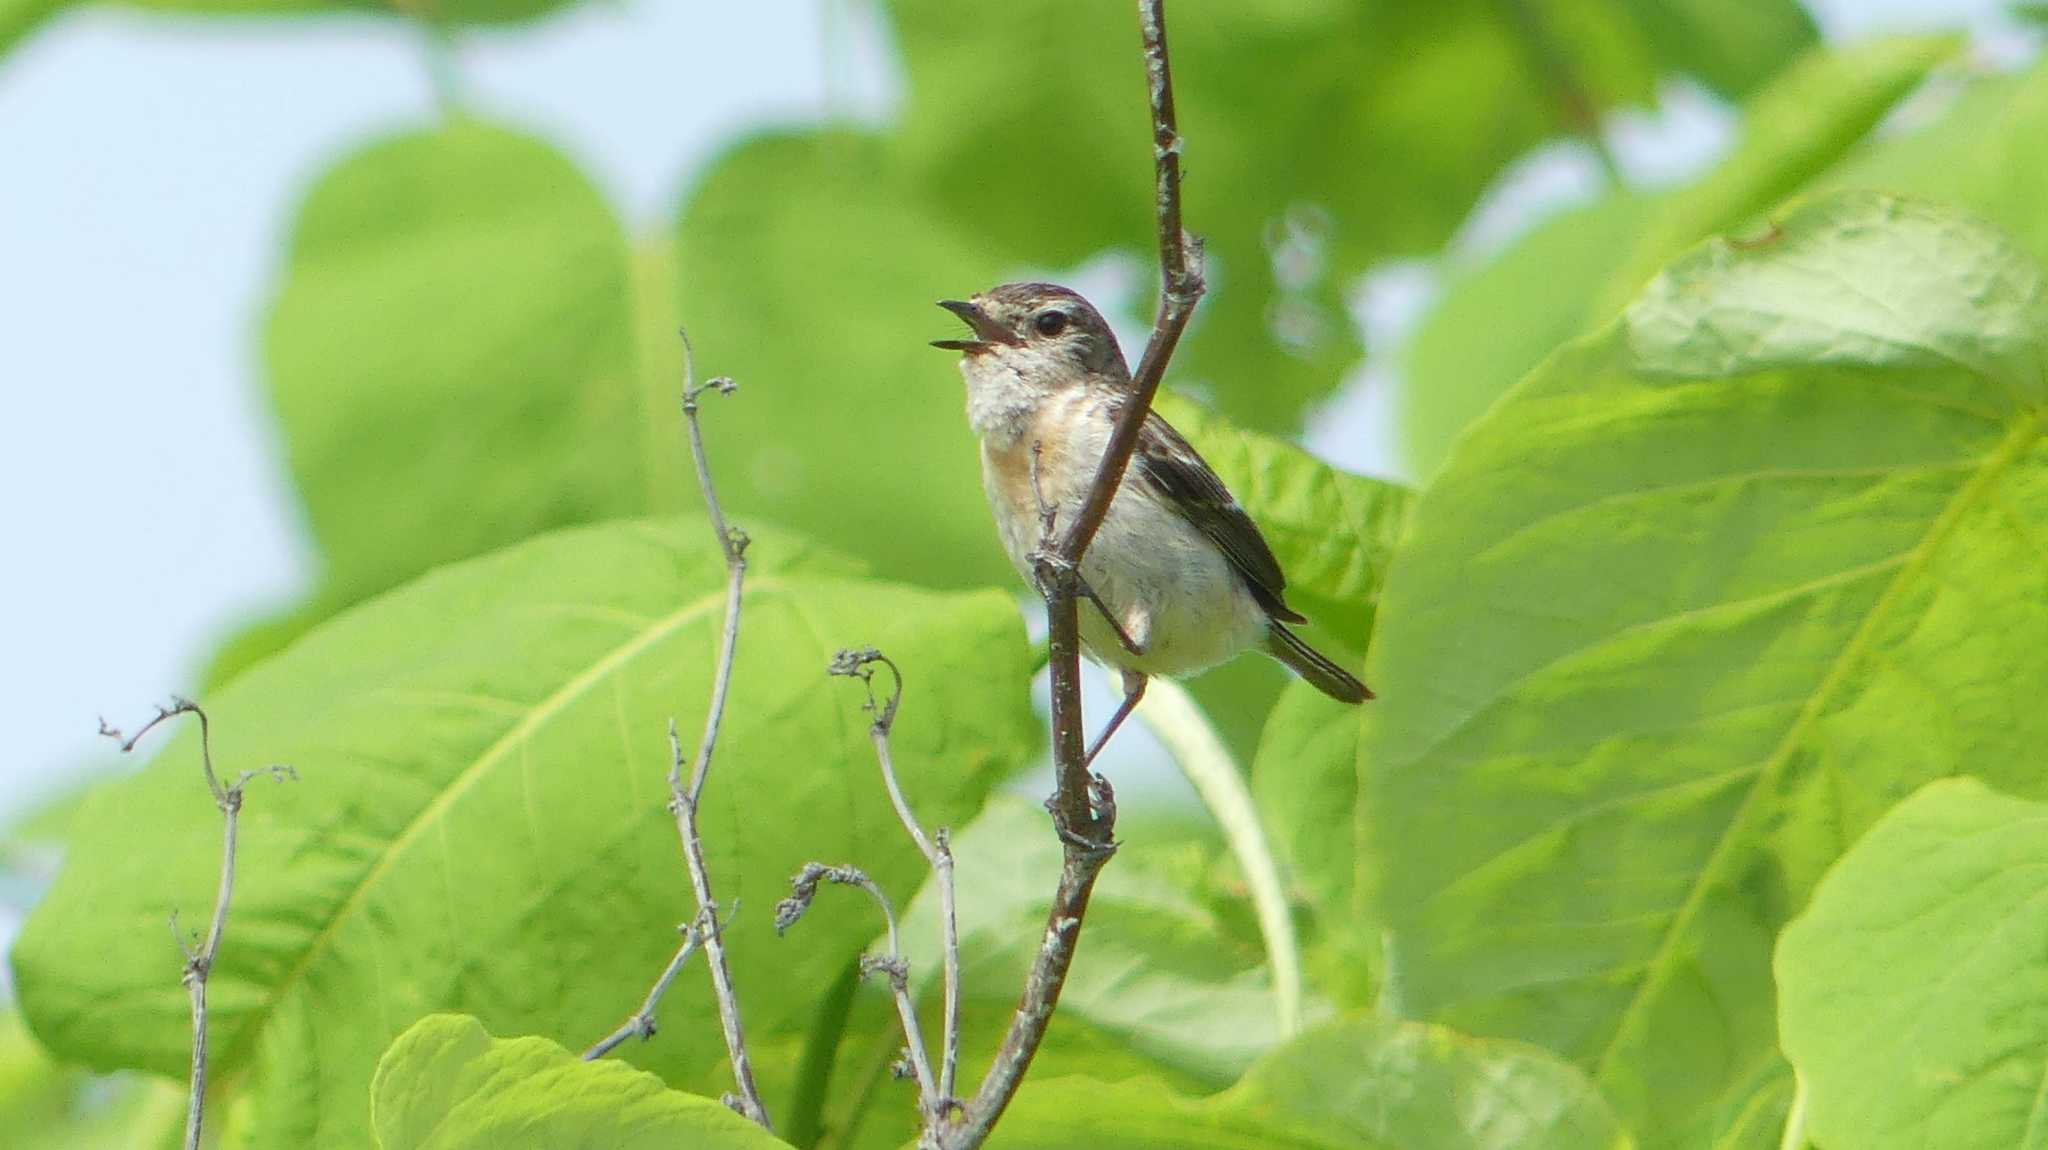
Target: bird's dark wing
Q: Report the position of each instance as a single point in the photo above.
(1181, 478)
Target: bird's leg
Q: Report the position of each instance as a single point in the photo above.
(1131, 646)
(1134, 690)
(1044, 556)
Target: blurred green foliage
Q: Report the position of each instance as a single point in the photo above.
(1683, 614)
(1317, 141)
(20, 17)
(1362, 1083)
(480, 806)
(49, 1106)
(1913, 985)
(801, 258)
(1677, 617)
(1577, 270)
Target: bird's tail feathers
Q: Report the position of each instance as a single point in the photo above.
(1314, 666)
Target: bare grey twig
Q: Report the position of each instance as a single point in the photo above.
(199, 959)
(1083, 806)
(803, 889)
(937, 850)
(683, 799)
(642, 1024)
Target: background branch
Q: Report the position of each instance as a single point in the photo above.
(683, 799)
(1174, 716)
(199, 960)
(803, 889)
(1082, 806)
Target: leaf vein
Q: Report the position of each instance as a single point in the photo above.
(1979, 486)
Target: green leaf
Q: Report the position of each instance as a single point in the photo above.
(1354, 1084)
(1804, 121)
(48, 1106)
(18, 18)
(479, 822)
(808, 271)
(1730, 56)
(1334, 535)
(446, 1084)
(1332, 531)
(486, 12)
(258, 639)
(1528, 300)
(451, 356)
(1695, 603)
(1161, 972)
(867, 1108)
(1305, 772)
(1981, 154)
(1913, 997)
(1320, 140)
(1577, 270)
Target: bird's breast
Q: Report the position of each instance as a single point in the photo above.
(1167, 583)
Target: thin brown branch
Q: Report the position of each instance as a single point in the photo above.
(683, 799)
(937, 851)
(199, 960)
(803, 889)
(1083, 806)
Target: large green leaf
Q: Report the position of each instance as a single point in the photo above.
(1575, 271)
(1359, 1084)
(1688, 609)
(20, 17)
(1321, 139)
(451, 356)
(463, 353)
(48, 1106)
(1805, 120)
(1305, 775)
(1332, 531)
(808, 270)
(1159, 970)
(1913, 996)
(1527, 300)
(446, 1084)
(1334, 534)
(868, 1108)
(1980, 154)
(479, 822)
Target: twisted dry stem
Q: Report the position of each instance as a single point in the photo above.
(937, 850)
(804, 888)
(1083, 807)
(199, 960)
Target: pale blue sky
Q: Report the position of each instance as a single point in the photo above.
(148, 167)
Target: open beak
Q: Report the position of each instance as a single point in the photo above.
(987, 331)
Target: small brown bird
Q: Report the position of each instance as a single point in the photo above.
(1181, 576)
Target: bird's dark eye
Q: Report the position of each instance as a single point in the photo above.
(1050, 322)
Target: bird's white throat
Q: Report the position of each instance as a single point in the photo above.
(1000, 399)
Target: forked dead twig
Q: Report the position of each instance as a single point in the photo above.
(200, 956)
